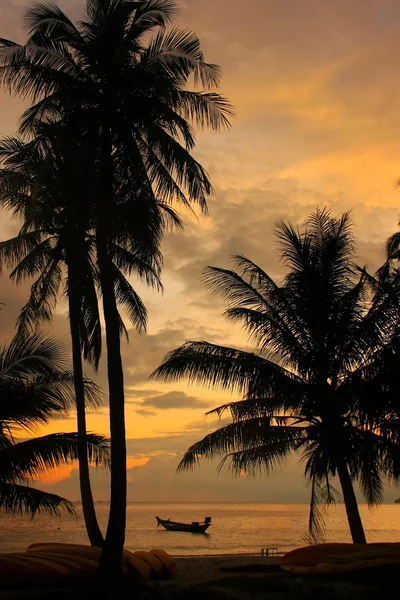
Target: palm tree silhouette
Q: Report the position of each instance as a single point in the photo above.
(45, 183)
(315, 382)
(33, 389)
(130, 96)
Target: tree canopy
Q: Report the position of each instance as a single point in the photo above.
(314, 385)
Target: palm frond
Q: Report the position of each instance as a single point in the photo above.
(130, 262)
(264, 309)
(17, 248)
(129, 299)
(322, 495)
(30, 402)
(42, 259)
(255, 407)
(32, 458)
(150, 14)
(251, 446)
(20, 499)
(171, 169)
(30, 356)
(48, 18)
(238, 371)
(206, 109)
(392, 245)
(365, 465)
(176, 54)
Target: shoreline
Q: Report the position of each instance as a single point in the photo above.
(223, 554)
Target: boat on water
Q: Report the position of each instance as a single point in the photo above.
(194, 527)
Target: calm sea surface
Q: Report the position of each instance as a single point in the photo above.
(236, 527)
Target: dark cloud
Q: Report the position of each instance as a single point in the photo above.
(145, 412)
(174, 399)
(172, 442)
(243, 222)
(144, 353)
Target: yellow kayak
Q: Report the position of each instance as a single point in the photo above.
(325, 559)
(156, 564)
(53, 564)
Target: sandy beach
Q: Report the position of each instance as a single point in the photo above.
(224, 577)
(201, 569)
(253, 577)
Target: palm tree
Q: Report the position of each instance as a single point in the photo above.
(131, 98)
(389, 271)
(33, 389)
(45, 183)
(310, 386)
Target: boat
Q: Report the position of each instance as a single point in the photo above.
(194, 527)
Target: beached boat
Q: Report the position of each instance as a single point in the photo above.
(194, 527)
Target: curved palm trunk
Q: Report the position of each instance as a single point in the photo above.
(350, 501)
(110, 562)
(115, 536)
(89, 513)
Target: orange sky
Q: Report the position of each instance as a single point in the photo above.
(317, 92)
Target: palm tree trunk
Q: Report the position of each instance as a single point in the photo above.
(89, 513)
(115, 536)
(110, 562)
(350, 501)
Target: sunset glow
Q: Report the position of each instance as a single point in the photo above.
(317, 97)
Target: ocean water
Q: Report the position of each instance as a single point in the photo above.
(236, 528)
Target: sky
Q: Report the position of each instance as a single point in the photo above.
(317, 95)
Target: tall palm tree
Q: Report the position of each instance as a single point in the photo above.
(45, 183)
(33, 389)
(133, 103)
(315, 378)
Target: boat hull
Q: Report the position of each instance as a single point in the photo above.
(186, 527)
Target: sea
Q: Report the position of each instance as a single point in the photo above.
(236, 528)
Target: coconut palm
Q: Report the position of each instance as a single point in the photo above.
(389, 271)
(315, 378)
(386, 290)
(45, 183)
(130, 94)
(33, 389)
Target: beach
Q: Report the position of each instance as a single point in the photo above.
(192, 570)
(246, 577)
(222, 577)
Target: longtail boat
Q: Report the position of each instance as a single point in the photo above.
(194, 527)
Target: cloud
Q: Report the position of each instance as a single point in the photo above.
(173, 441)
(145, 412)
(140, 393)
(317, 97)
(153, 475)
(174, 399)
(144, 353)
